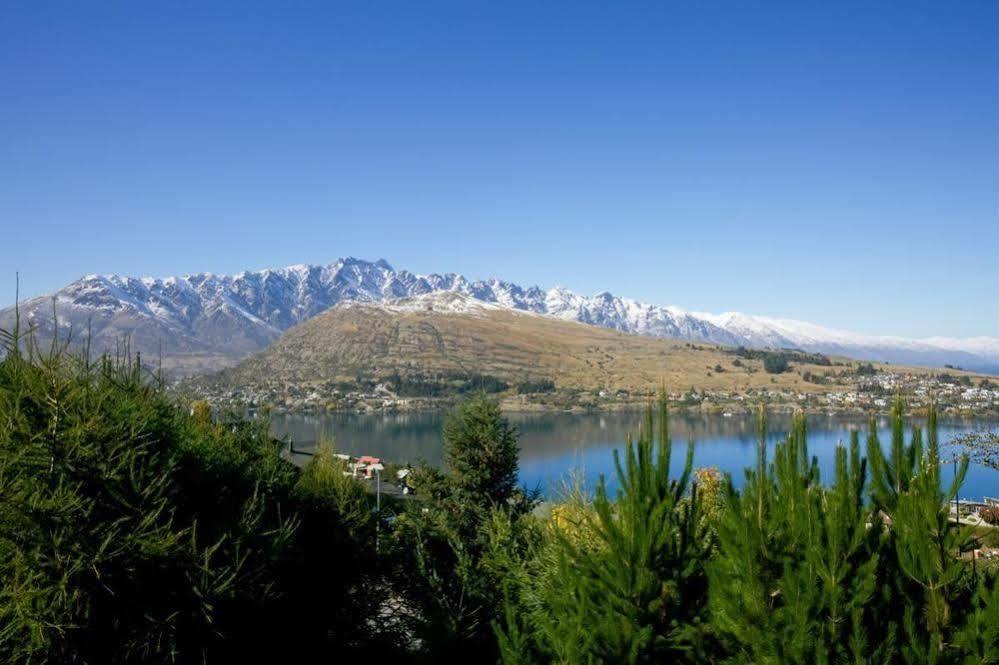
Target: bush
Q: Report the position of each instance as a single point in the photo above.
(129, 530)
(134, 529)
(775, 363)
(766, 595)
(448, 550)
(333, 577)
(623, 579)
(536, 386)
(791, 355)
(445, 384)
(797, 569)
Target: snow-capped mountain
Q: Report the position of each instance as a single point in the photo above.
(204, 321)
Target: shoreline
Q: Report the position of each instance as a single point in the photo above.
(637, 407)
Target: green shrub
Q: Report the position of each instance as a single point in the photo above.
(449, 550)
(536, 386)
(135, 529)
(129, 531)
(796, 566)
(775, 363)
(445, 384)
(633, 588)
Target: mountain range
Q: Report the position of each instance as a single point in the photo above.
(437, 338)
(203, 322)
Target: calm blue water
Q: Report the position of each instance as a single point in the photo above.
(552, 445)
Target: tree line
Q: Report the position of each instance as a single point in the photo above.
(778, 362)
(445, 383)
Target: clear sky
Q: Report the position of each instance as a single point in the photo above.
(829, 161)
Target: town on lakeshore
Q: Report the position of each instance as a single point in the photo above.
(961, 396)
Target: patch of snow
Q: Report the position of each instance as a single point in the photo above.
(278, 298)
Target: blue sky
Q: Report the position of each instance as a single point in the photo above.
(833, 162)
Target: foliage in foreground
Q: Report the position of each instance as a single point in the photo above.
(863, 569)
(136, 531)
(794, 579)
(456, 550)
(634, 588)
(132, 530)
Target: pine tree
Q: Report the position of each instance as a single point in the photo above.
(444, 548)
(796, 566)
(922, 571)
(979, 636)
(636, 593)
(891, 476)
(480, 450)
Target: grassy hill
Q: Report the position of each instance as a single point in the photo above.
(429, 345)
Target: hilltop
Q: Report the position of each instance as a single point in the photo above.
(438, 345)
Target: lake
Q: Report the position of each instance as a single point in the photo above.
(552, 444)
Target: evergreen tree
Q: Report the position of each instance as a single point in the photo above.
(775, 363)
(443, 548)
(796, 565)
(480, 451)
(923, 574)
(979, 636)
(110, 551)
(891, 476)
(135, 531)
(636, 594)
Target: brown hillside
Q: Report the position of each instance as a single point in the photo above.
(453, 333)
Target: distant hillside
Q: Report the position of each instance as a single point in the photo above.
(451, 335)
(203, 322)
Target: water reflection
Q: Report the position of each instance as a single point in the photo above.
(554, 443)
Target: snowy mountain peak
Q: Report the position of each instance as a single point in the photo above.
(438, 302)
(224, 317)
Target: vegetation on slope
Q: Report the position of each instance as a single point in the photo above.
(135, 530)
(866, 569)
(366, 355)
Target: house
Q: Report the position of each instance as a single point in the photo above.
(367, 465)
